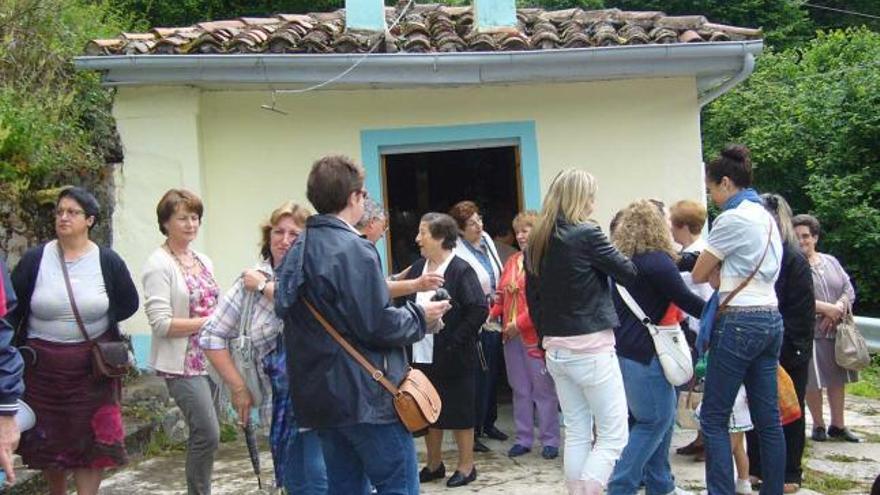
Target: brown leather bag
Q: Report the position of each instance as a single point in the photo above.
(415, 398)
(109, 359)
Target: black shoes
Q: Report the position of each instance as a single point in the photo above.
(549, 452)
(458, 479)
(480, 446)
(819, 434)
(494, 433)
(426, 475)
(842, 434)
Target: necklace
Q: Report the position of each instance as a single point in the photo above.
(186, 266)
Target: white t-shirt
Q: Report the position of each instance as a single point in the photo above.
(423, 350)
(738, 238)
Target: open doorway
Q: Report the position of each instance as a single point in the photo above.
(419, 182)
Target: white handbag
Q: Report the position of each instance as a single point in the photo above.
(669, 342)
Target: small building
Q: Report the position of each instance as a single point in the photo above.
(439, 104)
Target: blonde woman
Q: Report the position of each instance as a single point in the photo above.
(568, 265)
(659, 290)
(296, 455)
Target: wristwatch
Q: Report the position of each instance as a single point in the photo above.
(262, 286)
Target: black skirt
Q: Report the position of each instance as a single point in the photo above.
(457, 393)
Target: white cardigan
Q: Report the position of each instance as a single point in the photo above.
(167, 296)
(464, 253)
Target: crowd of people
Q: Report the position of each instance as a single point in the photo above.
(557, 311)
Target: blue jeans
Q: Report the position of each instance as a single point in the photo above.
(651, 400)
(298, 459)
(744, 349)
(362, 455)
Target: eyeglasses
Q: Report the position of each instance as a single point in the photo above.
(70, 212)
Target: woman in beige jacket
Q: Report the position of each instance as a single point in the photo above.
(181, 294)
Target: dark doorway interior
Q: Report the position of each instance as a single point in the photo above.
(416, 183)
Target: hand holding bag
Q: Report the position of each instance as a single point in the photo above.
(109, 359)
(415, 398)
(669, 342)
(850, 348)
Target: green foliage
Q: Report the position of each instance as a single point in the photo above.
(869, 381)
(812, 119)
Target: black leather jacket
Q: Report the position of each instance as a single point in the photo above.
(571, 295)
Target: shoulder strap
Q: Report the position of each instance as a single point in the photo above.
(744, 283)
(374, 373)
(635, 308)
(79, 322)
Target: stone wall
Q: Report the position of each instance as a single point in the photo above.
(29, 221)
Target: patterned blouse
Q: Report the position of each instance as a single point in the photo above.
(265, 327)
(203, 295)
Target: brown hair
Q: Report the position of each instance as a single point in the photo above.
(332, 180)
(174, 199)
(462, 211)
(289, 209)
(690, 214)
(735, 163)
(442, 227)
(642, 229)
(523, 219)
(808, 221)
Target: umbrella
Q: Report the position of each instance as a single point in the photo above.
(250, 439)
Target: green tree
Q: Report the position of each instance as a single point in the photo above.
(812, 119)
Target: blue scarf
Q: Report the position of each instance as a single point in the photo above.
(707, 318)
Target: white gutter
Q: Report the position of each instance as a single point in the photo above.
(748, 67)
(711, 64)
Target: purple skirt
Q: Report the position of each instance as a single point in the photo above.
(79, 420)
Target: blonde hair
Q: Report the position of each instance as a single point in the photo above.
(525, 219)
(643, 229)
(571, 195)
(288, 209)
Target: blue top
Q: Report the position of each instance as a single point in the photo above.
(658, 283)
(11, 365)
(482, 256)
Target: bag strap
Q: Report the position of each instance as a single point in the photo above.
(744, 283)
(376, 374)
(79, 322)
(635, 308)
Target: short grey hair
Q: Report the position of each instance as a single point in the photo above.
(372, 211)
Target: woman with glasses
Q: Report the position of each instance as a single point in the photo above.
(79, 421)
(297, 456)
(477, 248)
(181, 294)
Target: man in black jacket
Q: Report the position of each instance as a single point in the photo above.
(339, 273)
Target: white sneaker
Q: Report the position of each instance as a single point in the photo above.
(743, 487)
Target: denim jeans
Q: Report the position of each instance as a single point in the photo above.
(744, 349)
(651, 400)
(362, 455)
(590, 386)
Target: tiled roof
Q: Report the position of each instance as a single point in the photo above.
(425, 28)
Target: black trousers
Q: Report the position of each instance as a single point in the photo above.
(487, 381)
(795, 432)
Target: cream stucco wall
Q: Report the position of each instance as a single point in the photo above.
(640, 138)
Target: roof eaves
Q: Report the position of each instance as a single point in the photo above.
(710, 63)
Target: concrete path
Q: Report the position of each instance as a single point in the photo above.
(835, 468)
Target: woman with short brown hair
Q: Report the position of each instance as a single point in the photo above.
(181, 294)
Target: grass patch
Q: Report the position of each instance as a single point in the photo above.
(827, 484)
(869, 437)
(844, 458)
(869, 381)
(161, 444)
(228, 432)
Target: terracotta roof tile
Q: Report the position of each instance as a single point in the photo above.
(426, 28)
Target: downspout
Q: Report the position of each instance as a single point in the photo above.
(747, 69)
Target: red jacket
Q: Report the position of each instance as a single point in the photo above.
(511, 295)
